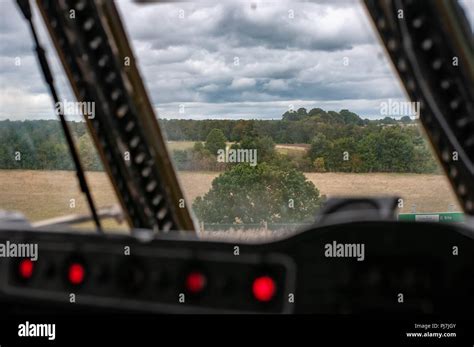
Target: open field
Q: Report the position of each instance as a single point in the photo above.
(430, 193)
(46, 194)
(289, 149)
(292, 150)
(180, 145)
(302, 147)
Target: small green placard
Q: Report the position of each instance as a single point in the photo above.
(446, 217)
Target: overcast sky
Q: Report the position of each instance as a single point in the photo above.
(224, 59)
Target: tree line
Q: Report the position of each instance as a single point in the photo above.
(338, 142)
(294, 127)
(41, 145)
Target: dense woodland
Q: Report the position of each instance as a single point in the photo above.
(337, 142)
(295, 127)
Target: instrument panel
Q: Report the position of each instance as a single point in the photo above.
(357, 268)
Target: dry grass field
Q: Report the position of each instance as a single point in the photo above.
(300, 147)
(293, 150)
(290, 149)
(430, 193)
(47, 194)
(180, 145)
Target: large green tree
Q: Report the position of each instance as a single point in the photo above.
(264, 145)
(320, 147)
(215, 140)
(249, 195)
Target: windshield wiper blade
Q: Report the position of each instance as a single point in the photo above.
(26, 10)
(110, 212)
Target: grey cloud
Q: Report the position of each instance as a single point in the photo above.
(191, 61)
(329, 26)
(274, 28)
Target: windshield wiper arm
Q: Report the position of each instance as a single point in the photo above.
(110, 212)
(26, 10)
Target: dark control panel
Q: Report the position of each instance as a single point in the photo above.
(126, 274)
(357, 268)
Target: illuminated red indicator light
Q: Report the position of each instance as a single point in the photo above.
(264, 288)
(26, 268)
(195, 282)
(76, 273)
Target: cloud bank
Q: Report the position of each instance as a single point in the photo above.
(216, 59)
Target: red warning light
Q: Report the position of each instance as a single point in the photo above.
(195, 282)
(25, 268)
(76, 273)
(264, 288)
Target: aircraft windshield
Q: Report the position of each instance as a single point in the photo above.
(269, 108)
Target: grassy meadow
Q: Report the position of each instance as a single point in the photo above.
(46, 194)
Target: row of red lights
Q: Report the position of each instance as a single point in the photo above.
(75, 273)
(263, 287)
